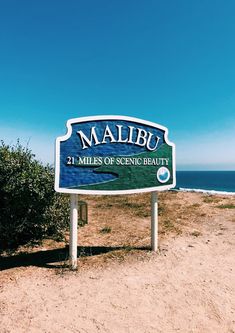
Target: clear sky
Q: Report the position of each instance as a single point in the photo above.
(170, 62)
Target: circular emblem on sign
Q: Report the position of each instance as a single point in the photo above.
(163, 175)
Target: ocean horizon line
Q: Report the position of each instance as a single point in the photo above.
(205, 170)
(197, 190)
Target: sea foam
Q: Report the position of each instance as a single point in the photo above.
(182, 189)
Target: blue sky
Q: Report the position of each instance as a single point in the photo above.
(170, 62)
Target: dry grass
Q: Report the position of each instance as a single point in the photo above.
(119, 226)
(129, 217)
(226, 206)
(211, 199)
(196, 233)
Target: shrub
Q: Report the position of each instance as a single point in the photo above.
(30, 209)
(106, 230)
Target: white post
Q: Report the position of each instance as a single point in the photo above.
(73, 231)
(154, 221)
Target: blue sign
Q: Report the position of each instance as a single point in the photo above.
(114, 155)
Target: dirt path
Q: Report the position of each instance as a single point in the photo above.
(189, 286)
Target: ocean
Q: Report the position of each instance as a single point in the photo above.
(206, 181)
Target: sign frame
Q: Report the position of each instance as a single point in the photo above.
(65, 137)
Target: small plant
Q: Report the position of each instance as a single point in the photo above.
(195, 233)
(161, 210)
(211, 199)
(105, 230)
(168, 225)
(82, 252)
(128, 248)
(196, 205)
(226, 206)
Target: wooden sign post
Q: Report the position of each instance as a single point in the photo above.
(73, 231)
(154, 221)
(113, 155)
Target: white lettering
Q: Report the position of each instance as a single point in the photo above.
(148, 142)
(130, 134)
(85, 139)
(120, 134)
(141, 136)
(108, 134)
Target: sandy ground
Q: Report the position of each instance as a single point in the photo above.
(188, 286)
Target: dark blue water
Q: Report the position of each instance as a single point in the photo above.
(206, 180)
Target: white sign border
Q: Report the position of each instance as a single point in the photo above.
(110, 192)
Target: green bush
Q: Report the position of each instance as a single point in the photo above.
(30, 209)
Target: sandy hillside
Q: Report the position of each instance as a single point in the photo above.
(121, 286)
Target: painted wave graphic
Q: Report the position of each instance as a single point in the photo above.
(133, 176)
